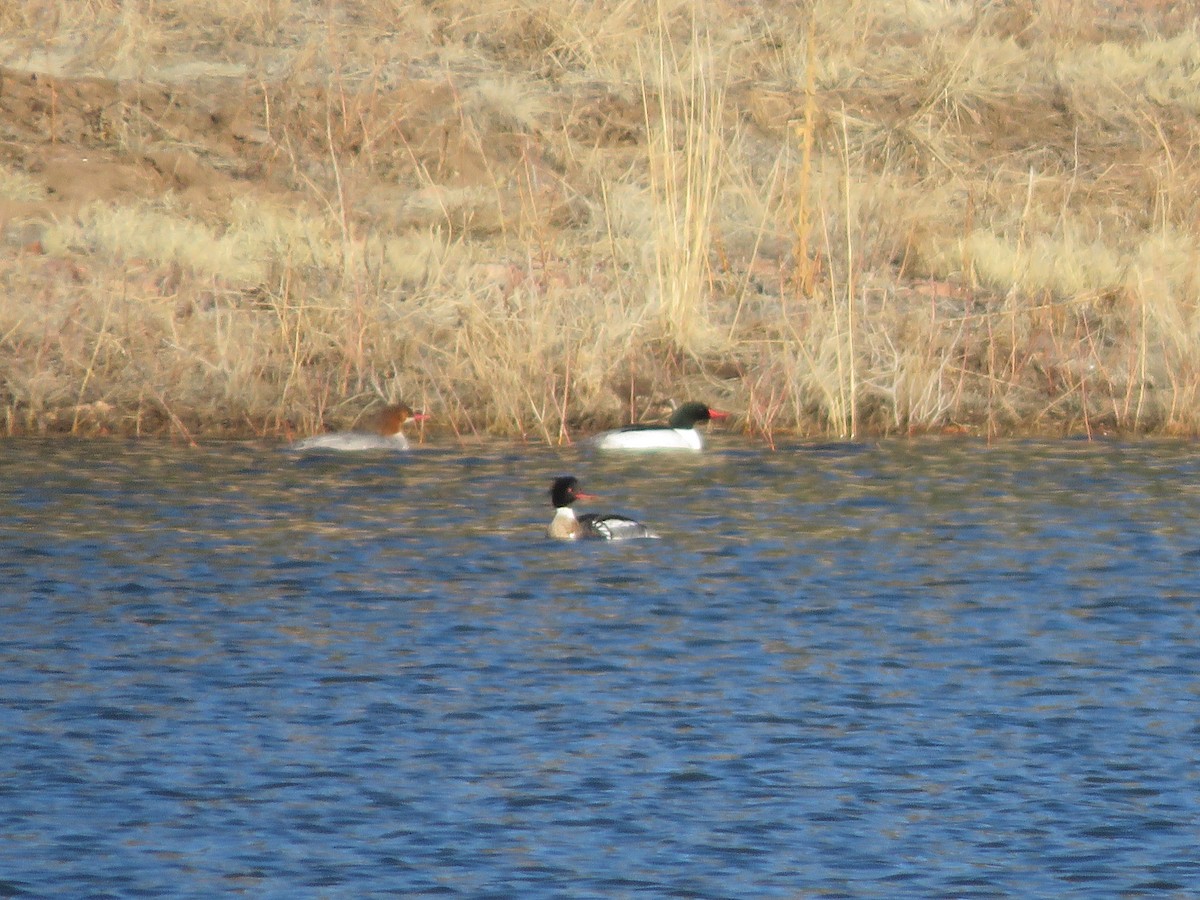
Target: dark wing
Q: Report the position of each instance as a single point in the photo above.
(613, 528)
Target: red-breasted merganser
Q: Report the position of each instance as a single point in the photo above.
(385, 433)
(678, 434)
(566, 526)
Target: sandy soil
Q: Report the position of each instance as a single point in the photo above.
(91, 139)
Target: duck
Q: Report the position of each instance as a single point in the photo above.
(385, 433)
(567, 526)
(678, 434)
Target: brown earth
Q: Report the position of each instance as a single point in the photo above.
(65, 132)
(90, 139)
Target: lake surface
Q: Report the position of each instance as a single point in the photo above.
(911, 669)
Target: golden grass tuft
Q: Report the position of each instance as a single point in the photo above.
(683, 98)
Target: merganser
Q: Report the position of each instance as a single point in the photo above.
(566, 526)
(385, 433)
(678, 434)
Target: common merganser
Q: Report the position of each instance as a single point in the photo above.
(678, 434)
(385, 433)
(566, 526)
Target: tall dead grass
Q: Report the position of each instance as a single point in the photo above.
(683, 96)
(536, 219)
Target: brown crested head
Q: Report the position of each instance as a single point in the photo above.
(392, 418)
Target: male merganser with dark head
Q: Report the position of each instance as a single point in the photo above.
(678, 434)
(385, 433)
(566, 526)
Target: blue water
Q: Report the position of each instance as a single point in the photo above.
(914, 669)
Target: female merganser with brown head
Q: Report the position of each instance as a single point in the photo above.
(385, 433)
(678, 434)
(566, 526)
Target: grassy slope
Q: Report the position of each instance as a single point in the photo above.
(261, 217)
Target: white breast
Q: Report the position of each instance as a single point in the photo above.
(352, 441)
(650, 439)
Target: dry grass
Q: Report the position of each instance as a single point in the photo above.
(540, 218)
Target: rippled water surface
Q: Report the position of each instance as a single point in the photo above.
(900, 670)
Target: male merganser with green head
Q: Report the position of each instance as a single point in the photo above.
(678, 434)
(567, 526)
